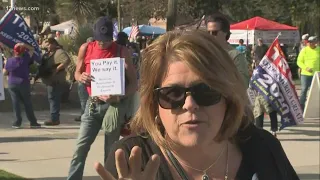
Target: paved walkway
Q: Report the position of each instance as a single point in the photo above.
(45, 154)
(39, 99)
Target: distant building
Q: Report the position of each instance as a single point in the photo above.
(163, 22)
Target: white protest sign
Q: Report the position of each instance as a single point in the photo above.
(1, 80)
(312, 107)
(108, 76)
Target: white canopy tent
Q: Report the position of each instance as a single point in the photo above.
(65, 27)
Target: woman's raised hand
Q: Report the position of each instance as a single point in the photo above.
(133, 172)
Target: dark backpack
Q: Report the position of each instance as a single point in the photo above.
(43, 70)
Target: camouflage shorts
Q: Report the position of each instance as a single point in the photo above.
(261, 106)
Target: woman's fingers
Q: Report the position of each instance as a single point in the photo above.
(152, 167)
(121, 164)
(103, 173)
(135, 162)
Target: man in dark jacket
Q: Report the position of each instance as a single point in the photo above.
(259, 51)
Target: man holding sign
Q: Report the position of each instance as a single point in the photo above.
(99, 50)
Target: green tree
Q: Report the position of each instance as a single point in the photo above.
(305, 14)
(83, 11)
(197, 8)
(242, 9)
(79, 10)
(142, 9)
(172, 14)
(43, 13)
(301, 13)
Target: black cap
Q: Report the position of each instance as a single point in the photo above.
(103, 29)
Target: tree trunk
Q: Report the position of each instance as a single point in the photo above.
(171, 14)
(37, 24)
(119, 15)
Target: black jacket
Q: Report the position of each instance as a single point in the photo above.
(266, 155)
(260, 149)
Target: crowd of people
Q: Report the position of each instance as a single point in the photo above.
(185, 93)
(308, 61)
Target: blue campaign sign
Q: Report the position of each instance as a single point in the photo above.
(13, 29)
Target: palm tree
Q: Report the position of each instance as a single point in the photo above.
(81, 11)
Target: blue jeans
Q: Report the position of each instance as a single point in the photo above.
(21, 93)
(83, 96)
(90, 126)
(54, 96)
(305, 85)
(65, 92)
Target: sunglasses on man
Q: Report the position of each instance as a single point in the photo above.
(174, 97)
(214, 33)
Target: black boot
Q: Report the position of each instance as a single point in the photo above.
(78, 119)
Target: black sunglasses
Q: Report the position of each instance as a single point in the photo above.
(175, 96)
(214, 33)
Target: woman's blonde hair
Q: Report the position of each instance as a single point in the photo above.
(203, 55)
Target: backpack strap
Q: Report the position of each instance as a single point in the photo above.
(177, 166)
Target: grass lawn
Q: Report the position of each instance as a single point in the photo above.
(8, 176)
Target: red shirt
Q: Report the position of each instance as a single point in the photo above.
(95, 52)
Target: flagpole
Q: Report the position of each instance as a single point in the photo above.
(279, 34)
(12, 3)
(201, 20)
(119, 15)
(247, 35)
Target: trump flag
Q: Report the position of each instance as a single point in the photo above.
(272, 79)
(13, 29)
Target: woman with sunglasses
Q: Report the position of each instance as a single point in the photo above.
(193, 121)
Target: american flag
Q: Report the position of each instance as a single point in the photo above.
(134, 32)
(115, 30)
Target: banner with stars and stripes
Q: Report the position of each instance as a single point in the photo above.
(134, 33)
(272, 79)
(115, 31)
